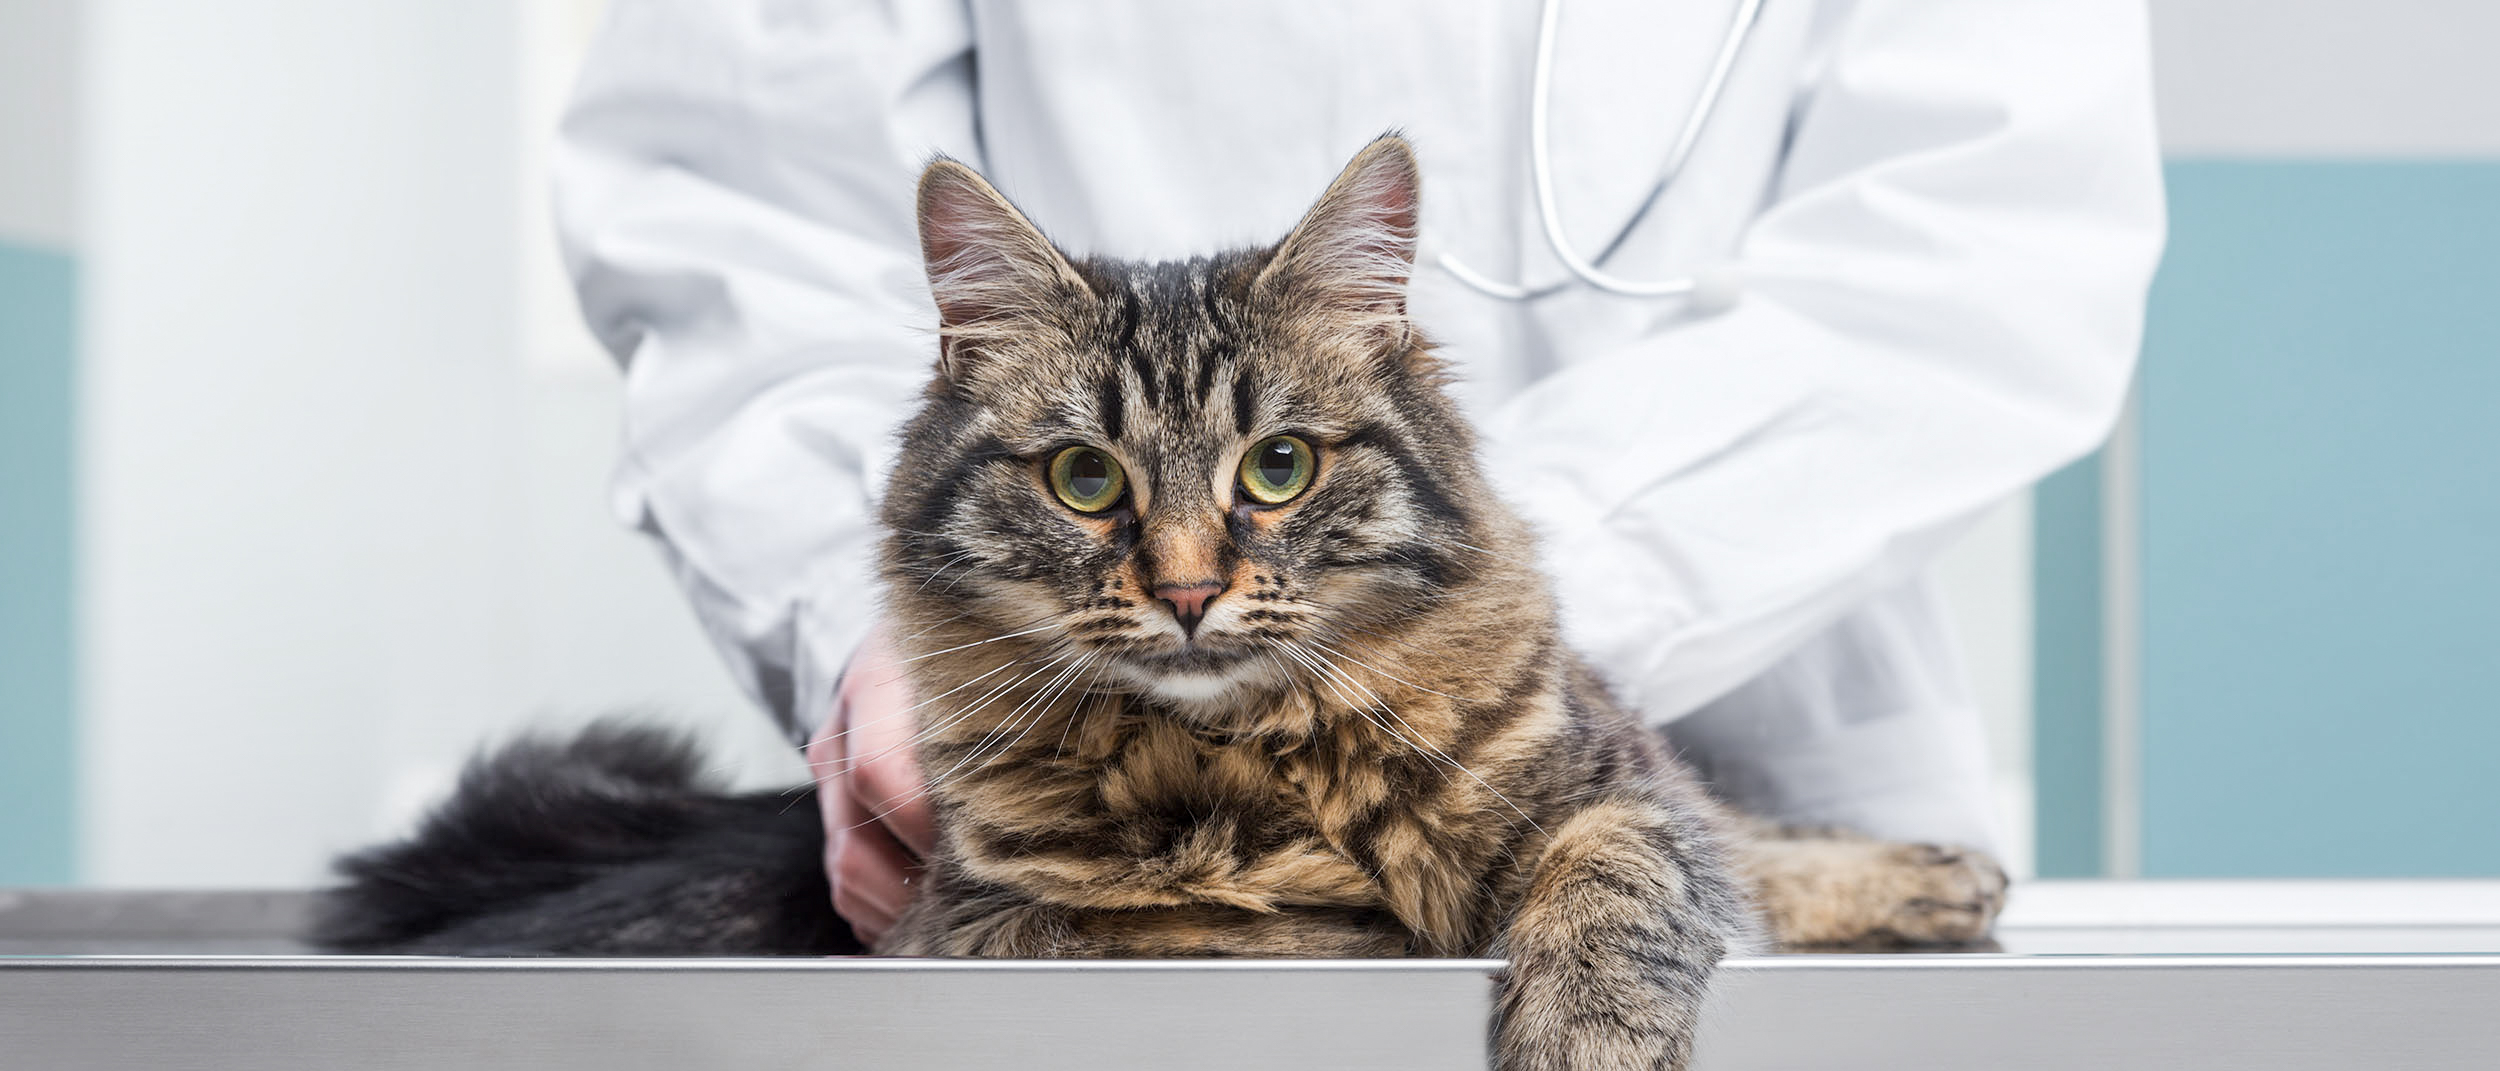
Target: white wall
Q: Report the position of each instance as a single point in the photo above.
(2331, 78)
(38, 116)
(342, 524)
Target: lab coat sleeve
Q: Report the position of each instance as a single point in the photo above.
(1943, 297)
(734, 196)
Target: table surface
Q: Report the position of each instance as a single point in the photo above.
(2091, 974)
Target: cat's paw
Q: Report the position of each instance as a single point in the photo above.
(1937, 895)
(1850, 892)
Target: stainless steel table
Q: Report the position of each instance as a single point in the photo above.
(2100, 975)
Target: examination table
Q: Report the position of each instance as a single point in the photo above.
(2101, 975)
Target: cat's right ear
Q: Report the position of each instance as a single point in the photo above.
(1353, 251)
(991, 270)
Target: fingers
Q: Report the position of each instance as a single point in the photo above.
(876, 823)
(914, 824)
(839, 813)
(872, 882)
(880, 807)
(863, 863)
(887, 788)
(887, 779)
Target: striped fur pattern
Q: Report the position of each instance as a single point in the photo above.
(1371, 740)
(1374, 743)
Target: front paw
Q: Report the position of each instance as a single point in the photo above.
(1940, 896)
(1612, 948)
(1562, 1018)
(1845, 892)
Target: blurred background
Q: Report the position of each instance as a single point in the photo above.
(303, 455)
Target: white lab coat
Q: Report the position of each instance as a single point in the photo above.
(1945, 215)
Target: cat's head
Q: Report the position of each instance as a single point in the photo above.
(1195, 476)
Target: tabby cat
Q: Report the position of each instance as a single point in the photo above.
(1229, 650)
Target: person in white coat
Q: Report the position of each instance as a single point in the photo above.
(1924, 231)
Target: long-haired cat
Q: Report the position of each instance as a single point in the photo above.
(1227, 649)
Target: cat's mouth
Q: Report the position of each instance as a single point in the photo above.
(1193, 658)
(1197, 673)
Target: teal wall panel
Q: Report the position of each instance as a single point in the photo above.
(38, 306)
(2066, 701)
(2321, 501)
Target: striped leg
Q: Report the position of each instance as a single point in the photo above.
(1629, 912)
(1829, 888)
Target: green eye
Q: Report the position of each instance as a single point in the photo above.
(1277, 469)
(1086, 479)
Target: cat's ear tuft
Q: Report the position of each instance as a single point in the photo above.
(1354, 250)
(991, 270)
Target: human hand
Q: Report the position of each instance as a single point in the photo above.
(868, 786)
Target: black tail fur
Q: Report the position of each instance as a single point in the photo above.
(609, 843)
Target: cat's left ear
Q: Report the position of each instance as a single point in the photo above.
(1354, 250)
(992, 271)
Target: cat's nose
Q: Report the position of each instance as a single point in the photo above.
(1189, 602)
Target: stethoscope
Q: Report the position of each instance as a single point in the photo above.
(1706, 288)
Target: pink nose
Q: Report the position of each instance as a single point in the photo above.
(1189, 601)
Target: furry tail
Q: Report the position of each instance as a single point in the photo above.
(609, 843)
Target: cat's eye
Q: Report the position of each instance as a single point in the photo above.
(1086, 479)
(1277, 469)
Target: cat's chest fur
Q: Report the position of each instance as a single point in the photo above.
(1146, 810)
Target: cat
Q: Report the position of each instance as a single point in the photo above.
(1230, 650)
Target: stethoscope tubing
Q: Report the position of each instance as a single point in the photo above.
(1591, 270)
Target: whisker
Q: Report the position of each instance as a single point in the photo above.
(1327, 680)
(943, 567)
(1427, 748)
(1028, 625)
(1045, 627)
(1080, 714)
(941, 725)
(1385, 673)
(1495, 555)
(839, 734)
(1412, 646)
(929, 784)
(1065, 683)
(1039, 702)
(941, 624)
(1425, 744)
(1009, 720)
